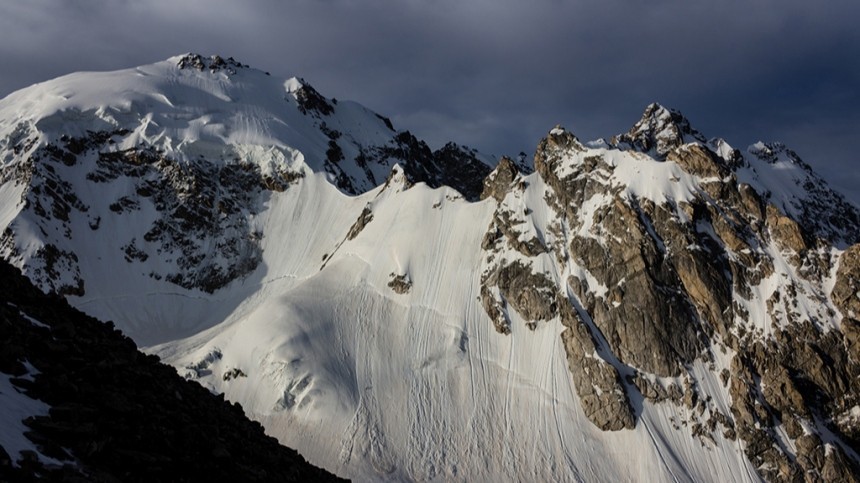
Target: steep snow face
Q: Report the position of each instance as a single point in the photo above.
(624, 312)
(377, 384)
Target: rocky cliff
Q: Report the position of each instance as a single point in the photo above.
(663, 250)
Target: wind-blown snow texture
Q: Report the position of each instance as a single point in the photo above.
(343, 283)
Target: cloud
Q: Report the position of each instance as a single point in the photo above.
(498, 74)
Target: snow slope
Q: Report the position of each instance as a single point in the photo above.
(378, 385)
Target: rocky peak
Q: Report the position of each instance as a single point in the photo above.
(553, 148)
(731, 156)
(214, 63)
(659, 131)
(499, 181)
(560, 137)
(648, 287)
(455, 166)
(310, 101)
(776, 151)
(524, 163)
(700, 161)
(791, 184)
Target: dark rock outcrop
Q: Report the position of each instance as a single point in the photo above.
(455, 166)
(213, 63)
(400, 283)
(203, 208)
(117, 414)
(312, 102)
(365, 217)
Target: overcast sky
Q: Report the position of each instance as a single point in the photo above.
(498, 74)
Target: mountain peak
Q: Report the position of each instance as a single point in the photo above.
(658, 131)
(772, 152)
(791, 184)
(213, 63)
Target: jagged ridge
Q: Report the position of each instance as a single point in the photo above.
(708, 270)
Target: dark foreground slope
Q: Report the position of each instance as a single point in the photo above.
(118, 414)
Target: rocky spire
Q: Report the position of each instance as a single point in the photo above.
(659, 131)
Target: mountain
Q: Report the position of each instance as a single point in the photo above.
(189, 148)
(657, 306)
(80, 403)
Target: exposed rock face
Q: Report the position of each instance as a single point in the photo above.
(55, 268)
(645, 317)
(400, 283)
(495, 307)
(458, 167)
(364, 218)
(461, 169)
(699, 160)
(203, 206)
(665, 282)
(846, 291)
(312, 102)
(198, 201)
(601, 392)
(52, 199)
(785, 231)
(511, 281)
(499, 181)
(453, 165)
(804, 375)
(201, 201)
(498, 184)
(531, 294)
(117, 414)
(819, 210)
(504, 227)
(213, 64)
(846, 297)
(660, 131)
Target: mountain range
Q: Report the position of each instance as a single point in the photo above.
(656, 305)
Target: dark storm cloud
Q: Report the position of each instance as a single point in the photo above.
(498, 74)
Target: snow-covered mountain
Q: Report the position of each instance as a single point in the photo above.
(658, 306)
